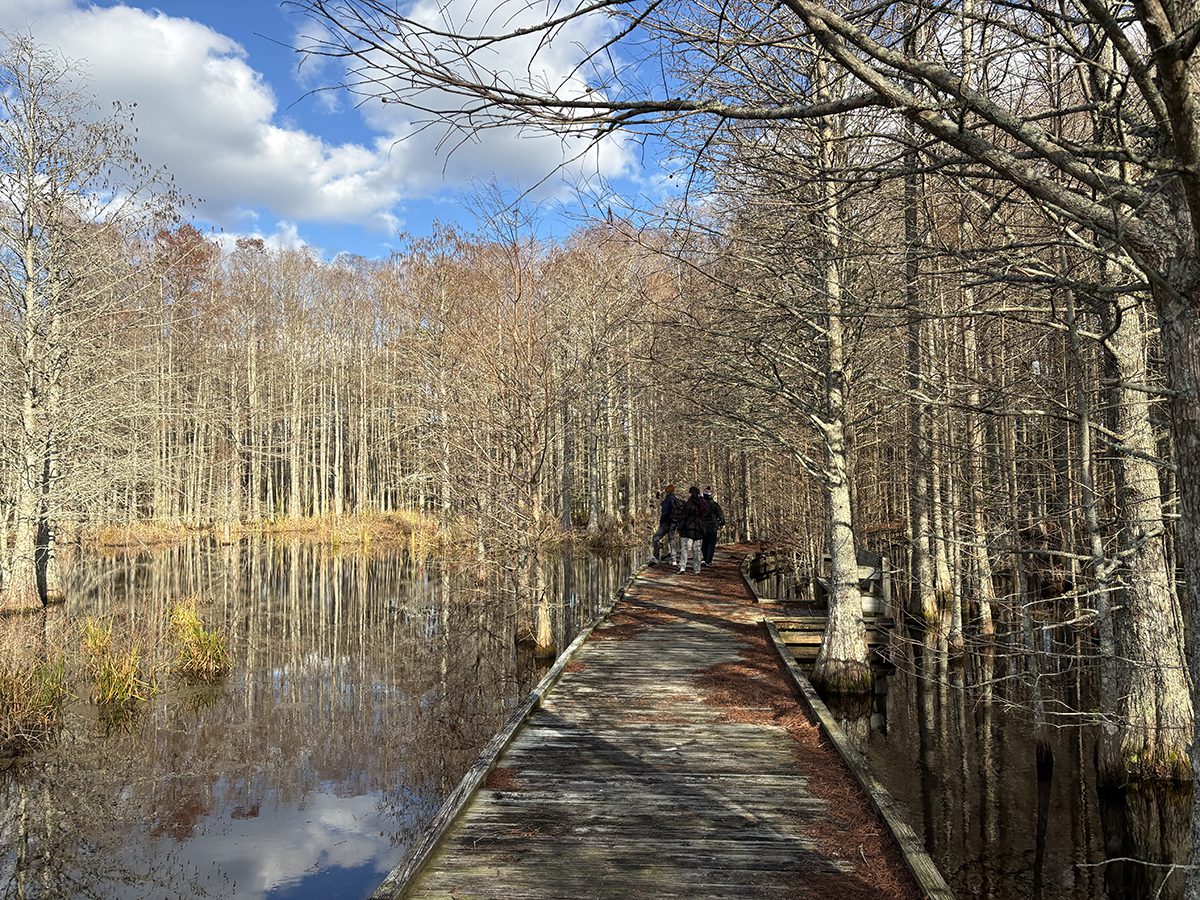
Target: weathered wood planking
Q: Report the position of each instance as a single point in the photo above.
(817, 621)
(918, 860)
(629, 780)
(397, 880)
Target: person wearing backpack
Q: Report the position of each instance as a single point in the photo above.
(691, 528)
(714, 520)
(668, 522)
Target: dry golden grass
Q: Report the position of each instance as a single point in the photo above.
(201, 653)
(120, 675)
(33, 690)
(422, 535)
(119, 535)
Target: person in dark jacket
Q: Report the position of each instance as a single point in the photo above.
(668, 521)
(691, 528)
(714, 520)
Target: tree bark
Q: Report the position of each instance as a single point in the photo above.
(842, 664)
(1153, 704)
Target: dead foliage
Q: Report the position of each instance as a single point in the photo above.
(502, 778)
(757, 690)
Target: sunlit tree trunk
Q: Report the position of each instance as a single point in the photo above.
(842, 665)
(1154, 714)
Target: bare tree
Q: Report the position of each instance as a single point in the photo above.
(1129, 191)
(71, 190)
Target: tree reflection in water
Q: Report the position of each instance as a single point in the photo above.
(364, 687)
(1008, 806)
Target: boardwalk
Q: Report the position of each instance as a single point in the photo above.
(671, 760)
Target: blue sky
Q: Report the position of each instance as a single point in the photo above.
(224, 105)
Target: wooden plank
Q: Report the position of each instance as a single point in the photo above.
(402, 875)
(916, 857)
(699, 883)
(814, 621)
(807, 638)
(635, 777)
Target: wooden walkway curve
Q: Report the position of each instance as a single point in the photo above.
(671, 759)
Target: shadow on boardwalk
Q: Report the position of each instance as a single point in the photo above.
(671, 760)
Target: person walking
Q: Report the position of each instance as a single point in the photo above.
(691, 529)
(714, 520)
(668, 520)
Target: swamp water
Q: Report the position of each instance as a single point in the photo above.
(363, 687)
(1008, 810)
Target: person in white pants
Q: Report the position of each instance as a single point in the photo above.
(693, 546)
(691, 529)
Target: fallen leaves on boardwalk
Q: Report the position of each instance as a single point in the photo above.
(502, 778)
(757, 690)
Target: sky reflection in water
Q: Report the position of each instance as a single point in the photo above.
(364, 687)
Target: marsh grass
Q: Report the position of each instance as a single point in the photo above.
(125, 535)
(120, 675)
(201, 654)
(33, 691)
(97, 641)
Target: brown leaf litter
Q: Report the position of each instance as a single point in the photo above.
(757, 690)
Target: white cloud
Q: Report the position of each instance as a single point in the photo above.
(26, 12)
(286, 236)
(525, 62)
(205, 113)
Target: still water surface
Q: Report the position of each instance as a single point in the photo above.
(994, 768)
(363, 688)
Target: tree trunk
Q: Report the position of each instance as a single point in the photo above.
(842, 665)
(922, 598)
(1153, 694)
(295, 508)
(21, 587)
(1102, 567)
(339, 451)
(567, 485)
(985, 588)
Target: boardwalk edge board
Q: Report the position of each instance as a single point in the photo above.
(401, 878)
(929, 879)
(745, 569)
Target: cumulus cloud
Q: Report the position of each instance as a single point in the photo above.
(205, 113)
(286, 236)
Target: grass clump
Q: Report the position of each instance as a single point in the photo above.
(120, 676)
(202, 654)
(32, 695)
(97, 642)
